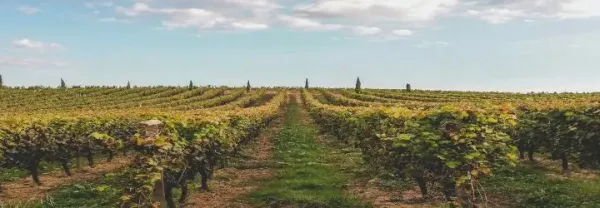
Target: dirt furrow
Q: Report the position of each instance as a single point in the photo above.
(240, 178)
(25, 190)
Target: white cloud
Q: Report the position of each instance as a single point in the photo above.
(175, 18)
(428, 44)
(192, 17)
(253, 4)
(496, 16)
(363, 30)
(579, 9)
(388, 10)
(29, 10)
(249, 26)
(367, 18)
(35, 45)
(113, 19)
(234, 9)
(403, 32)
(224, 6)
(135, 10)
(307, 24)
(92, 5)
(30, 62)
(417, 12)
(502, 11)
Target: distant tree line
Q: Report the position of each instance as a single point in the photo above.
(63, 85)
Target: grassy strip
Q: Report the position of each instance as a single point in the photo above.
(103, 192)
(307, 174)
(13, 174)
(529, 186)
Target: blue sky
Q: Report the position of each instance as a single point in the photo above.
(497, 45)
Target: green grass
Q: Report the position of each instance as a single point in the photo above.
(13, 174)
(527, 186)
(99, 193)
(307, 173)
(103, 192)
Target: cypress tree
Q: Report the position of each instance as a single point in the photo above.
(306, 84)
(248, 86)
(63, 85)
(357, 88)
(1, 83)
(128, 85)
(408, 87)
(191, 86)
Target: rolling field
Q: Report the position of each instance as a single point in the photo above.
(277, 147)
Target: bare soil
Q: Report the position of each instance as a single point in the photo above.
(25, 190)
(554, 170)
(232, 183)
(371, 191)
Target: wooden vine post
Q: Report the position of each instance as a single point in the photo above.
(152, 131)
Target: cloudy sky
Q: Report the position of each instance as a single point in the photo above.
(498, 45)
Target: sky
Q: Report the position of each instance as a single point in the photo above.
(475, 45)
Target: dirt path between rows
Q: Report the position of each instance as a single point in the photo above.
(367, 189)
(232, 183)
(372, 192)
(553, 169)
(25, 190)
